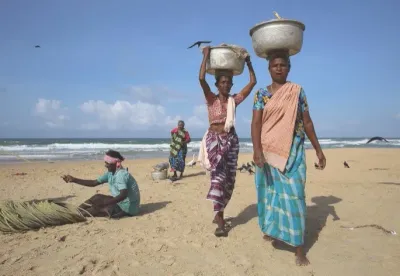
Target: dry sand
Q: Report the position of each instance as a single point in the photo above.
(174, 233)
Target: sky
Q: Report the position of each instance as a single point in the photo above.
(122, 68)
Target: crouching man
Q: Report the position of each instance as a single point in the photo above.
(125, 199)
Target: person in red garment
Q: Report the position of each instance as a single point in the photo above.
(179, 139)
(221, 140)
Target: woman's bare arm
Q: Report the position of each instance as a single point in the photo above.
(253, 81)
(256, 124)
(202, 74)
(256, 129)
(310, 131)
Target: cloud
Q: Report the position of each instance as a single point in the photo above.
(140, 115)
(199, 118)
(52, 112)
(44, 106)
(126, 115)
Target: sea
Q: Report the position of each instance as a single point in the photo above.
(23, 150)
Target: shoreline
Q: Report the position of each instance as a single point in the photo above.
(15, 151)
(161, 155)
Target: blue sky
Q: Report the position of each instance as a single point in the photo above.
(121, 68)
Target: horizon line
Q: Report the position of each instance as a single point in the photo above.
(71, 138)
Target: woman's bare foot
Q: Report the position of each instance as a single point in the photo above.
(301, 258)
(273, 241)
(268, 238)
(219, 219)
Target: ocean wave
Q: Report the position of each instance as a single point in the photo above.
(10, 150)
(95, 147)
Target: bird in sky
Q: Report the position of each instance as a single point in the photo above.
(198, 43)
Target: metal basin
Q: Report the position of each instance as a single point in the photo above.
(159, 175)
(225, 59)
(277, 34)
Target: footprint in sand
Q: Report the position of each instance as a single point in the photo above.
(106, 267)
(88, 265)
(168, 260)
(157, 246)
(95, 267)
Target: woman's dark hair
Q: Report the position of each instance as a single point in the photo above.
(115, 154)
(218, 78)
(279, 54)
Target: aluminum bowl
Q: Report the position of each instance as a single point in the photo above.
(159, 175)
(277, 34)
(225, 59)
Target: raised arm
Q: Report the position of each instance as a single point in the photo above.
(253, 81)
(202, 75)
(83, 182)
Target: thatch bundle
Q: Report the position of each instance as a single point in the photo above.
(29, 215)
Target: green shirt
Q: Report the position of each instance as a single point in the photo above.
(122, 180)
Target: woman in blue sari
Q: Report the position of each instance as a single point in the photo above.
(280, 121)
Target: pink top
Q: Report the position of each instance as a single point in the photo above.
(187, 136)
(217, 110)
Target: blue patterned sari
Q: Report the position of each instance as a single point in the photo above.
(281, 196)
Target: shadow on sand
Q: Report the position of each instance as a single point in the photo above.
(389, 183)
(243, 217)
(149, 208)
(194, 174)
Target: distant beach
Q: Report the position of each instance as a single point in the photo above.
(18, 150)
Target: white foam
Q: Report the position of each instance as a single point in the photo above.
(90, 150)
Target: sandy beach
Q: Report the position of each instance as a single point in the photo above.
(174, 234)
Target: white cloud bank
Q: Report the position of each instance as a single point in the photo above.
(126, 115)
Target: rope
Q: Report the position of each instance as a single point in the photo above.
(29, 215)
(392, 232)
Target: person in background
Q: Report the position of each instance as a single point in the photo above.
(280, 121)
(220, 146)
(179, 139)
(125, 199)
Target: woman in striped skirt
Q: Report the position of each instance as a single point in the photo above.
(221, 141)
